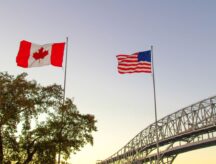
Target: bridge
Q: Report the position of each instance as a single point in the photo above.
(188, 129)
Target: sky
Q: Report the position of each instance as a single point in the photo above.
(183, 36)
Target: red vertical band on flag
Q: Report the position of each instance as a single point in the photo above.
(23, 54)
(57, 54)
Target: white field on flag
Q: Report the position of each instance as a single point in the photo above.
(35, 48)
(130, 64)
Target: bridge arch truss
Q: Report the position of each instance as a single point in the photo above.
(190, 128)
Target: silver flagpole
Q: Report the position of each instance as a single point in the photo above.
(155, 105)
(65, 78)
(65, 75)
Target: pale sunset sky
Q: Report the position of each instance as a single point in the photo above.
(183, 33)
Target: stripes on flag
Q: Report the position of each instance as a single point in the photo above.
(136, 63)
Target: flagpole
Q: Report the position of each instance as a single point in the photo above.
(155, 106)
(65, 75)
(65, 78)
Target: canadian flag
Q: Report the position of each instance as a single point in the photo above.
(34, 55)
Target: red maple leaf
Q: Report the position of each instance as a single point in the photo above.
(40, 54)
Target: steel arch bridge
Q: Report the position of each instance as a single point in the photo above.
(190, 128)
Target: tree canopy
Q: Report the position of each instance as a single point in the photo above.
(35, 125)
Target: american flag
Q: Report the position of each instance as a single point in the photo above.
(135, 63)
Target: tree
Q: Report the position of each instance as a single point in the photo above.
(16, 96)
(46, 126)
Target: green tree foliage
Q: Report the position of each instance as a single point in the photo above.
(35, 126)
